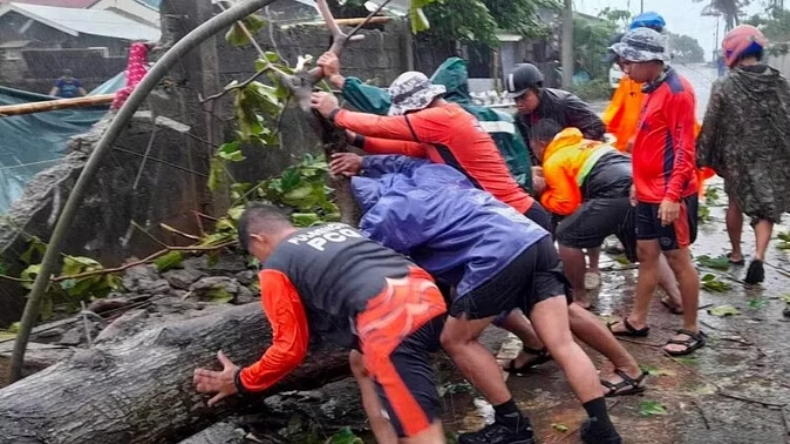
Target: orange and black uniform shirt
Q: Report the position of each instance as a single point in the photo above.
(622, 115)
(444, 134)
(317, 280)
(664, 152)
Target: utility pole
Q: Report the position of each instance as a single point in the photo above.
(567, 44)
(641, 6)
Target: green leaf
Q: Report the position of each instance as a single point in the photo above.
(560, 427)
(230, 151)
(73, 265)
(216, 173)
(254, 23)
(786, 298)
(304, 220)
(35, 246)
(169, 261)
(236, 36)
(723, 311)
(711, 195)
(652, 408)
(757, 303)
(345, 436)
(703, 213)
(717, 263)
(219, 295)
(3, 268)
(710, 282)
(419, 22)
(29, 274)
(705, 389)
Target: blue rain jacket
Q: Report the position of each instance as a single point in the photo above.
(433, 214)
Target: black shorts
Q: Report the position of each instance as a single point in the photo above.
(540, 216)
(533, 276)
(412, 379)
(595, 220)
(681, 234)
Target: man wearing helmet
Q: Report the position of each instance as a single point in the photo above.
(665, 185)
(534, 102)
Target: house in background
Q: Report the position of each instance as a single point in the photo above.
(38, 42)
(141, 10)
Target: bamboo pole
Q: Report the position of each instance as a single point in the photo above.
(52, 105)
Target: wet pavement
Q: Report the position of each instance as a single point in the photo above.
(732, 391)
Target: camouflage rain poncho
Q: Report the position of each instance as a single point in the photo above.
(746, 139)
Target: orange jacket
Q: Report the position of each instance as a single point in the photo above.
(566, 162)
(622, 115)
(622, 120)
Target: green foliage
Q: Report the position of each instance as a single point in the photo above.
(686, 49)
(710, 282)
(237, 37)
(169, 261)
(775, 24)
(786, 298)
(560, 427)
(454, 388)
(620, 18)
(344, 436)
(590, 43)
(717, 263)
(711, 195)
(784, 240)
(703, 213)
(655, 371)
(598, 89)
(724, 311)
(652, 408)
(757, 304)
(479, 20)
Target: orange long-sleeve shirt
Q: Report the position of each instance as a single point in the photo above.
(444, 134)
(290, 333)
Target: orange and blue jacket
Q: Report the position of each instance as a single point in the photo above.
(569, 160)
(623, 114)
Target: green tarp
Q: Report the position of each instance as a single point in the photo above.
(33, 142)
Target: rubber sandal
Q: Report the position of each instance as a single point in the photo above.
(695, 342)
(592, 281)
(636, 386)
(540, 357)
(756, 272)
(740, 262)
(672, 308)
(630, 330)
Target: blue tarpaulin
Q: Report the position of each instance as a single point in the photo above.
(33, 142)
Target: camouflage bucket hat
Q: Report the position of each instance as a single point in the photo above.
(642, 45)
(412, 91)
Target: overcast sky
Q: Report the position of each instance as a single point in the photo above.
(682, 16)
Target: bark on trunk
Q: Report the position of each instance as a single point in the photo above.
(138, 389)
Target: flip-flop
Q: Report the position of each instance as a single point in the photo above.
(672, 308)
(740, 262)
(629, 329)
(616, 389)
(539, 357)
(694, 342)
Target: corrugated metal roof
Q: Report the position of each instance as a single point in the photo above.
(86, 21)
(60, 3)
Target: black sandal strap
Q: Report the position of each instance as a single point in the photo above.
(535, 352)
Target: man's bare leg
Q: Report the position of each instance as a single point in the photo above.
(668, 283)
(550, 318)
(680, 261)
(478, 365)
(734, 228)
(381, 426)
(575, 269)
(649, 253)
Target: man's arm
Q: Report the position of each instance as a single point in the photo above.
(681, 121)
(376, 145)
(579, 115)
(290, 334)
(561, 196)
(423, 126)
(366, 98)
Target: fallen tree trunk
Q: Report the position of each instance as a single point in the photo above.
(52, 105)
(138, 388)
